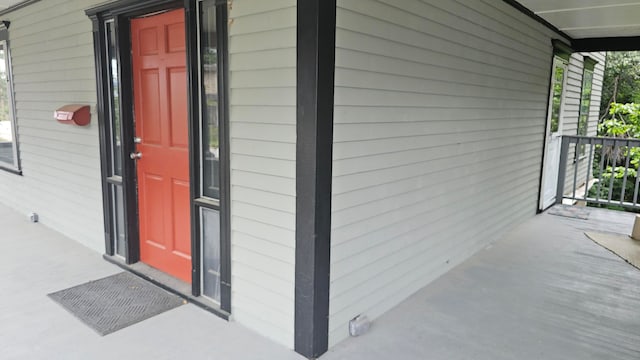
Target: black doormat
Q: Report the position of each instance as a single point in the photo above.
(115, 302)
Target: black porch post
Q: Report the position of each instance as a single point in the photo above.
(316, 21)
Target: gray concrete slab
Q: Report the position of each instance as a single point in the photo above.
(545, 291)
(35, 261)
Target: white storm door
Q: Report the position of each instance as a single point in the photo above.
(553, 136)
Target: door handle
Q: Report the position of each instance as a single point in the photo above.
(135, 155)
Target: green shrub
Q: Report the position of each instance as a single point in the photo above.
(623, 122)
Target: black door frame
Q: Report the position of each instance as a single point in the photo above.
(121, 12)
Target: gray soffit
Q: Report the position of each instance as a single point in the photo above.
(589, 18)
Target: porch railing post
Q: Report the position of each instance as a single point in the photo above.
(562, 169)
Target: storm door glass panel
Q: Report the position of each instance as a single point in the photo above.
(210, 220)
(118, 219)
(209, 100)
(559, 72)
(114, 101)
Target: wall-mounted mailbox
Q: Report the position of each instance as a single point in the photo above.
(73, 114)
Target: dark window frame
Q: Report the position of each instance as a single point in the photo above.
(583, 127)
(111, 111)
(588, 68)
(14, 167)
(201, 200)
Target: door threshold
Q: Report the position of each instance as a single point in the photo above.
(168, 283)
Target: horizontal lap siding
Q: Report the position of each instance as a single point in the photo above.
(574, 93)
(53, 64)
(440, 113)
(571, 113)
(262, 46)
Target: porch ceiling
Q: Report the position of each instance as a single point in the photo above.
(589, 18)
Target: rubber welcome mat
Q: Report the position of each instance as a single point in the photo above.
(570, 211)
(115, 302)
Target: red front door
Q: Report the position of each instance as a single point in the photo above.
(160, 108)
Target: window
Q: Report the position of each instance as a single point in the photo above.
(585, 97)
(209, 100)
(585, 101)
(8, 138)
(113, 127)
(210, 145)
(114, 103)
(559, 73)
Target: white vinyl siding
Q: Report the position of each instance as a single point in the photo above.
(440, 111)
(574, 92)
(53, 61)
(571, 112)
(262, 43)
(53, 65)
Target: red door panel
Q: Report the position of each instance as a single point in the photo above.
(160, 109)
(178, 107)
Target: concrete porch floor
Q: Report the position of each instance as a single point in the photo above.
(544, 291)
(35, 261)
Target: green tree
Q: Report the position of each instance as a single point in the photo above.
(623, 122)
(621, 82)
(619, 118)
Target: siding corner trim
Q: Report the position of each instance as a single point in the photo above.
(316, 28)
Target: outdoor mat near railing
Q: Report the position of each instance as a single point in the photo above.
(571, 211)
(622, 245)
(115, 302)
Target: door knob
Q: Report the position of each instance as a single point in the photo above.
(135, 155)
(137, 140)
